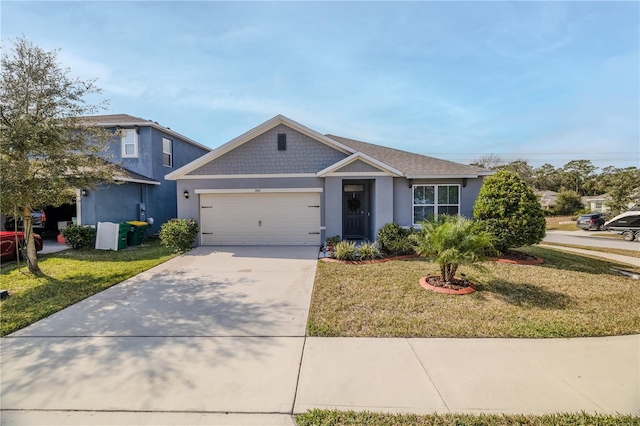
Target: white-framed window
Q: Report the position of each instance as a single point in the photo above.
(167, 152)
(432, 200)
(129, 140)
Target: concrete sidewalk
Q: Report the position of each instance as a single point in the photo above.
(530, 376)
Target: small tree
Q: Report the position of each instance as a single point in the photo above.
(568, 202)
(508, 209)
(451, 241)
(44, 149)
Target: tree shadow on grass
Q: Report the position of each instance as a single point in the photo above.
(525, 295)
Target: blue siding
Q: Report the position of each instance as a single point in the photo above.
(118, 203)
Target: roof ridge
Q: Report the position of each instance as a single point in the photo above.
(405, 152)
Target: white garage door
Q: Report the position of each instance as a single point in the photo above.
(260, 219)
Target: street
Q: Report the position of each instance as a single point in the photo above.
(587, 238)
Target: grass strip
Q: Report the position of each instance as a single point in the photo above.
(351, 418)
(68, 277)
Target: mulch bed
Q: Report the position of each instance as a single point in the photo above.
(366, 262)
(455, 287)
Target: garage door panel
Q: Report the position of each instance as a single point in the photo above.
(260, 219)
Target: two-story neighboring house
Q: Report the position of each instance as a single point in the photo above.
(147, 152)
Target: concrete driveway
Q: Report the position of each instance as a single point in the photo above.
(217, 330)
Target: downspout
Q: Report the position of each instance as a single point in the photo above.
(78, 207)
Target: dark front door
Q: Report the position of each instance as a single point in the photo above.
(355, 212)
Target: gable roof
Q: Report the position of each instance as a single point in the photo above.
(113, 120)
(412, 165)
(247, 136)
(394, 161)
(359, 156)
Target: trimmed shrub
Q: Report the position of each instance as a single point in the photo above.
(79, 236)
(179, 234)
(508, 209)
(394, 239)
(345, 250)
(368, 251)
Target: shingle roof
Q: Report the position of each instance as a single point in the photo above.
(127, 175)
(114, 119)
(409, 163)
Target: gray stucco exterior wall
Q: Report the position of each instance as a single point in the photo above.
(261, 156)
(403, 196)
(333, 206)
(190, 207)
(383, 196)
(391, 198)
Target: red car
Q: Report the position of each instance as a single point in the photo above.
(8, 249)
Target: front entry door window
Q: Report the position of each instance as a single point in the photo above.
(354, 212)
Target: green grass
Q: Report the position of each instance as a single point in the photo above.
(68, 277)
(351, 418)
(568, 296)
(623, 252)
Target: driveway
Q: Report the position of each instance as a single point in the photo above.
(217, 330)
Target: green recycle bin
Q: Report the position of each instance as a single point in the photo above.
(123, 231)
(137, 229)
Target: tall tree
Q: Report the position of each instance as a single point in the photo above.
(521, 168)
(488, 161)
(578, 176)
(44, 150)
(623, 186)
(546, 178)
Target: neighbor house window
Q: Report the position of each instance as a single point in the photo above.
(167, 152)
(129, 140)
(432, 200)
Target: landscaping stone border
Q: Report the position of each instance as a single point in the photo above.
(423, 282)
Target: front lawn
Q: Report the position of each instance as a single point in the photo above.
(568, 296)
(344, 418)
(67, 278)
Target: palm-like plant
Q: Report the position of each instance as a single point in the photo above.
(451, 241)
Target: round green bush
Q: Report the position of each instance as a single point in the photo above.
(179, 234)
(394, 239)
(78, 237)
(508, 209)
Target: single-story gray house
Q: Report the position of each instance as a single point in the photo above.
(282, 183)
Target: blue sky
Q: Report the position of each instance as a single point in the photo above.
(541, 81)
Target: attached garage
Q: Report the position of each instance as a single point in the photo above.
(268, 217)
